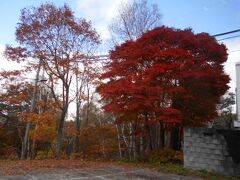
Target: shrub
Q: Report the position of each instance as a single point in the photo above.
(163, 156)
(74, 156)
(9, 153)
(41, 155)
(51, 154)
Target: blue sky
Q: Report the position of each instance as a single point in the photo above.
(212, 16)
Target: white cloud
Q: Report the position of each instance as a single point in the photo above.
(100, 12)
(2, 47)
(233, 57)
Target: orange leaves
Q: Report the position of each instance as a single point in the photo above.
(16, 94)
(44, 125)
(17, 54)
(50, 105)
(12, 75)
(99, 142)
(43, 133)
(43, 119)
(41, 104)
(63, 62)
(70, 129)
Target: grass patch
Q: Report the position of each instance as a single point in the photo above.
(180, 170)
(173, 168)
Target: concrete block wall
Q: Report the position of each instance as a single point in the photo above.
(207, 149)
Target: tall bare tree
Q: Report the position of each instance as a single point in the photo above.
(133, 19)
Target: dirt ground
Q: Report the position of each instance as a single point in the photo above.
(79, 170)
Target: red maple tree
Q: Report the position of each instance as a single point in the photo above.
(167, 75)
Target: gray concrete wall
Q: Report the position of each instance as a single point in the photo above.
(207, 149)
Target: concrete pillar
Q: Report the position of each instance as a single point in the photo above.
(238, 90)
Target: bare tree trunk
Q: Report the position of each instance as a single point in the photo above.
(147, 127)
(65, 90)
(78, 106)
(33, 149)
(28, 150)
(103, 147)
(119, 143)
(69, 148)
(28, 126)
(162, 136)
(141, 145)
(77, 139)
(60, 132)
(88, 106)
(125, 140)
(132, 140)
(175, 139)
(21, 138)
(157, 136)
(25, 141)
(168, 138)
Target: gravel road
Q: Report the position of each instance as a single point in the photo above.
(104, 172)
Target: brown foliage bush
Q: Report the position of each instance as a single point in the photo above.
(165, 155)
(99, 142)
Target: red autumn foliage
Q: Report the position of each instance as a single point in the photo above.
(167, 75)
